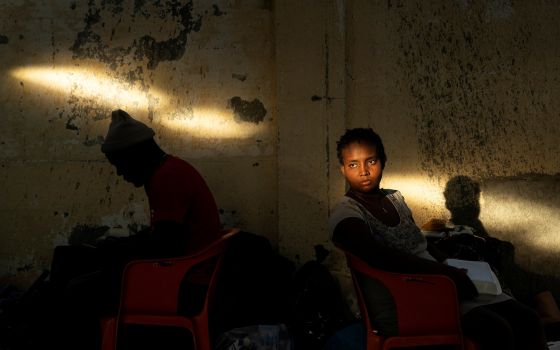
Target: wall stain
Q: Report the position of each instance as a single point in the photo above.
(475, 108)
(71, 126)
(89, 44)
(83, 111)
(93, 142)
(145, 51)
(4, 39)
(241, 77)
(253, 112)
(217, 11)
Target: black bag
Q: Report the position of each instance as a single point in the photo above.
(463, 246)
(319, 309)
(254, 285)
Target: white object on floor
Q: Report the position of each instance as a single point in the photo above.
(480, 274)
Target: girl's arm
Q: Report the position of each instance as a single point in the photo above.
(352, 235)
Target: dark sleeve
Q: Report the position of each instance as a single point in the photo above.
(436, 253)
(352, 235)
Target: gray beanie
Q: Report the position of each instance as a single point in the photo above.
(124, 131)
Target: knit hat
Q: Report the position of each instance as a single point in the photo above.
(124, 131)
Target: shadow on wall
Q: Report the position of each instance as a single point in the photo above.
(462, 199)
(521, 210)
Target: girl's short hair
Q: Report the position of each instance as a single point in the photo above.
(361, 135)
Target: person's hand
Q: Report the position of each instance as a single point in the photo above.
(466, 290)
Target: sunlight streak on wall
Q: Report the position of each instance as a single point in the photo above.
(94, 84)
(515, 218)
(534, 224)
(209, 122)
(417, 190)
(91, 83)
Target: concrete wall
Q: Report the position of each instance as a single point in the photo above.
(310, 97)
(256, 93)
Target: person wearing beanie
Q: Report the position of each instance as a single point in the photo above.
(184, 219)
(182, 208)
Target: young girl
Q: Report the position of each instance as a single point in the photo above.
(376, 225)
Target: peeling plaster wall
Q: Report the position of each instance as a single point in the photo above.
(200, 73)
(466, 88)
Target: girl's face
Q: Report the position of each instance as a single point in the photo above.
(361, 167)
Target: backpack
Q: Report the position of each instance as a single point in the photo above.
(319, 308)
(254, 285)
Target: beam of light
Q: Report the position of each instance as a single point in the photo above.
(417, 189)
(210, 122)
(537, 222)
(515, 218)
(95, 85)
(91, 84)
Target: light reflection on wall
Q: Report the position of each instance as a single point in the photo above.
(417, 189)
(531, 223)
(209, 122)
(90, 83)
(515, 218)
(95, 84)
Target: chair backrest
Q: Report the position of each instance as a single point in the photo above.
(425, 304)
(152, 286)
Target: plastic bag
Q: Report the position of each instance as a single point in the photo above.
(257, 337)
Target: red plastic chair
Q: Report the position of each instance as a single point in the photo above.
(150, 295)
(426, 306)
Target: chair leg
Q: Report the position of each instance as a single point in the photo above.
(109, 333)
(201, 337)
(469, 344)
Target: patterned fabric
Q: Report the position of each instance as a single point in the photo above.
(405, 236)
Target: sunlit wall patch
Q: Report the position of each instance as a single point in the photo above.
(92, 84)
(506, 214)
(208, 122)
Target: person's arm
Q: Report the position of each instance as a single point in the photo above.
(436, 253)
(167, 239)
(352, 234)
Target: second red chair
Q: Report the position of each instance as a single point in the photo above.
(150, 295)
